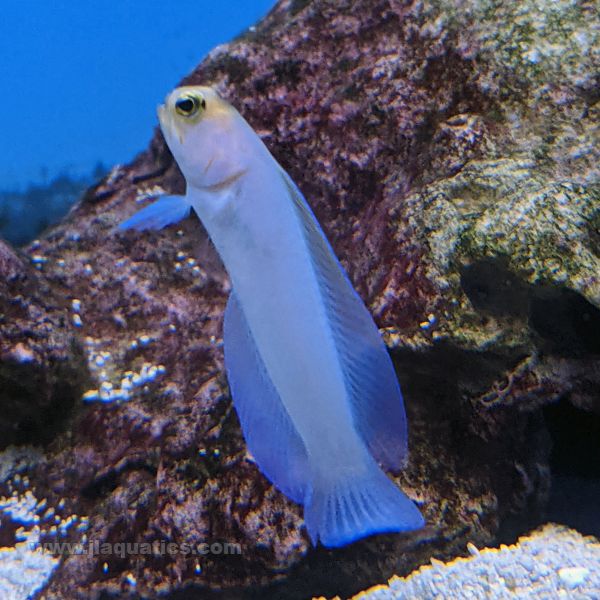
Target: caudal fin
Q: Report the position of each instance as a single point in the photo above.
(342, 510)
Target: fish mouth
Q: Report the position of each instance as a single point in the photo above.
(161, 111)
(167, 123)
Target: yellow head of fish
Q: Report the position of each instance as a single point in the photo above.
(204, 133)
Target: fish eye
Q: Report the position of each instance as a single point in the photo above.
(189, 105)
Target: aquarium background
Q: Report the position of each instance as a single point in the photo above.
(81, 81)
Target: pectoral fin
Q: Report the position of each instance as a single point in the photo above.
(164, 211)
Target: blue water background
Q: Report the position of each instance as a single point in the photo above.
(80, 85)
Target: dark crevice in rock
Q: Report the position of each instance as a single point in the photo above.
(575, 465)
(576, 440)
(450, 373)
(493, 289)
(528, 492)
(562, 322)
(8, 531)
(566, 322)
(448, 424)
(101, 486)
(34, 410)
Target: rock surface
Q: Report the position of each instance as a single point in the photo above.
(448, 149)
(43, 370)
(553, 562)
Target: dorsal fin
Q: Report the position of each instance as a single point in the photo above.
(371, 382)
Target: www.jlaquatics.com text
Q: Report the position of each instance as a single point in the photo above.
(123, 549)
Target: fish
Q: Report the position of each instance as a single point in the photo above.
(311, 380)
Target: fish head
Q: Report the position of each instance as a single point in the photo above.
(204, 134)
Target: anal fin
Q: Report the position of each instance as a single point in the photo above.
(268, 430)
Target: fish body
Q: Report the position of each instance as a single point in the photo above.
(311, 380)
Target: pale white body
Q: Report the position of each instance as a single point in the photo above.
(260, 241)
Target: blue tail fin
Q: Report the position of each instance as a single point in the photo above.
(164, 211)
(342, 510)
